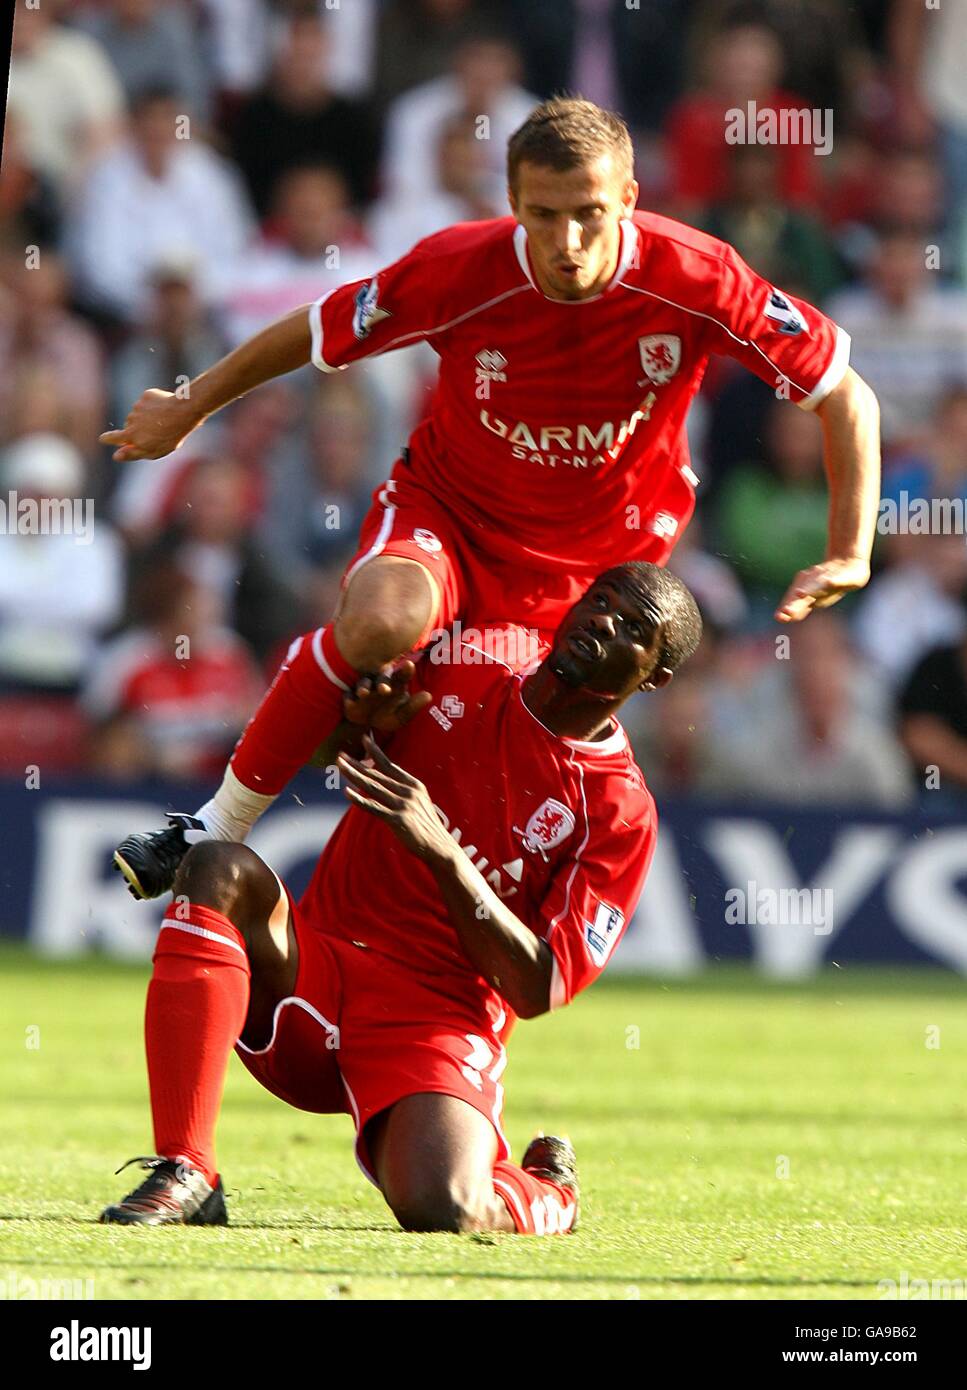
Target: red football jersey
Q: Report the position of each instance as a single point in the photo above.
(563, 831)
(557, 432)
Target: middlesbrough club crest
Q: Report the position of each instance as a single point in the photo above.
(551, 823)
(661, 357)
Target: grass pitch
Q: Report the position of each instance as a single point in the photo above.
(687, 1104)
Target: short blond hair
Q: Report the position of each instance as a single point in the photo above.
(567, 132)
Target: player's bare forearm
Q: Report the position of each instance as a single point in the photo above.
(160, 420)
(850, 418)
(496, 942)
(282, 347)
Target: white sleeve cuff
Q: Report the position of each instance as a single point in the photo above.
(315, 328)
(833, 374)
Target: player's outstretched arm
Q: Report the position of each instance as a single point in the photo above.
(850, 417)
(506, 952)
(161, 420)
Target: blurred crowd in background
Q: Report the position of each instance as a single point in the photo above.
(177, 173)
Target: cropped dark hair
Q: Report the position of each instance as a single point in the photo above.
(672, 598)
(565, 133)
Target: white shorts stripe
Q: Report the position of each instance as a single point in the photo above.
(331, 1028)
(385, 531)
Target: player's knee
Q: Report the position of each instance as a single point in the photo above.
(230, 878)
(385, 612)
(439, 1206)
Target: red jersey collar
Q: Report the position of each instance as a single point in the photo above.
(629, 244)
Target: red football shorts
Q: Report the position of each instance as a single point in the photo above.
(361, 1032)
(471, 584)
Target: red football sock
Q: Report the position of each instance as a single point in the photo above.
(196, 1007)
(537, 1207)
(301, 708)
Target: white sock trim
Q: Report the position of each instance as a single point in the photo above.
(202, 931)
(324, 666)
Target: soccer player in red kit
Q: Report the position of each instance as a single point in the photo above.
(572, 337)
(485, 871)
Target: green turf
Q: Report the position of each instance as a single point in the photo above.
(680, 1140)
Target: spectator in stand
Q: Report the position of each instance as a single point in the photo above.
(933, 722)
(35, 402)
(211, 538)
(909, 335)
(939, 468)
(319, 495)
(158, 195)
(672, 738)
(234, 44)
(176, 342)
(601, 48)
(483, 84)
(712, 580)
(38, 332)
(169, 697)
(64, 92)
(416, 41)
(151, 43)
(313, 244)
(914, 604)
(58, 591)
(297, 119)
(773, 512)
(743, 63)
(909, 192)
(812, 731)
(783, 243)
(149, 494)
(927, 44)
(463, 194)
(29, 206)
(824, 57)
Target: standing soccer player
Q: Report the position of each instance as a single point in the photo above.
(485, 871)
(572, 338)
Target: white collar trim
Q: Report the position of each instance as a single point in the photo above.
(601, 747)
(629, 244)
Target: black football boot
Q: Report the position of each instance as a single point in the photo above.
(171, 1195)
(149, 859)
(554, 1159)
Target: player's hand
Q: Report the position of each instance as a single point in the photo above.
(156, 424)
(820, 586)
(383, 702)
(390, 793)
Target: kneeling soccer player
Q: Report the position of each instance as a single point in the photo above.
(485, 871)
